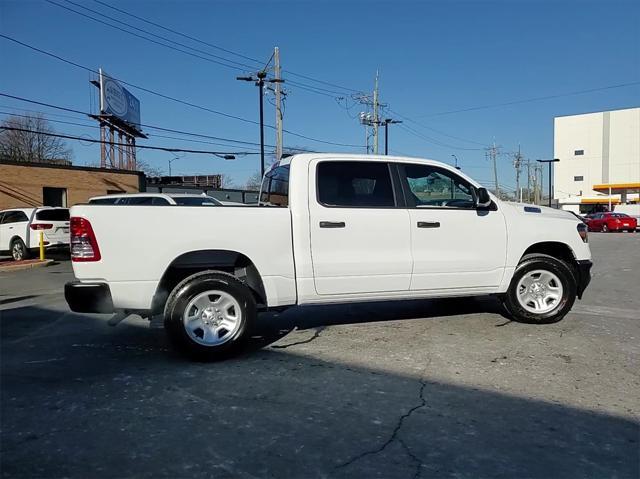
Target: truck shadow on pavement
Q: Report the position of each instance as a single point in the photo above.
(272, 327)
(82, 399)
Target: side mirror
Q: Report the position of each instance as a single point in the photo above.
(483, 200)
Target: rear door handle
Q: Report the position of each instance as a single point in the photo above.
(428, 224)
(332, 224)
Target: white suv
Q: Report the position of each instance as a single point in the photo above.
(20, 230)
(155, 199)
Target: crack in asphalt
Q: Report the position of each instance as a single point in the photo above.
(394, 434)
(316, 335)
(413, 457)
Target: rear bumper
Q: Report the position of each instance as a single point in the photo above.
(88, 297)
(583, 272)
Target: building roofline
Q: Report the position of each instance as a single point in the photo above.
(69, 167)
(600, 111)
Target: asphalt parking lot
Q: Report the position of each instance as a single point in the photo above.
(414, 389)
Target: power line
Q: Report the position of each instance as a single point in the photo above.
(528, 100)
(434, 141)
(237, 66)
(84, 125)
(217, 47)
(434, 130)
(145, 147)
(153, 127)
(177, 100)
(229, 63)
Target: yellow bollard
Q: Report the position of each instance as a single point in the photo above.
(41, 246)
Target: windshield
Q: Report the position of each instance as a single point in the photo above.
(195, 201)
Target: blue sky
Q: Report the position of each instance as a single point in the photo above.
(433, 57)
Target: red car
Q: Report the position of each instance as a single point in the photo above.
(611, 222)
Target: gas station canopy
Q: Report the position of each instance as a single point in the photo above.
(617, 188)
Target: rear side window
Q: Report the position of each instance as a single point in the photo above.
(194, 201)
(275, 187)
(145, 200)
(14, 217)
(103, 201)
(357, 184)
(53, 215)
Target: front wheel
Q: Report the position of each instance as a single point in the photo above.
(542, 290)
(209, 315)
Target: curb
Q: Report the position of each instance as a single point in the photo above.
(19, 267)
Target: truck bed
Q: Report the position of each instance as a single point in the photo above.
(141, 242)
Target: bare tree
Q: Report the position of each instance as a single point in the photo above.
(147, 169)
(33, 144)
(254, 181)
(226, 181)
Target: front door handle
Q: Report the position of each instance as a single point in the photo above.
(428, 224)
(332, 224)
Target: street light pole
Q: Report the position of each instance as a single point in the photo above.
(259, 81)
(261, 76)
(386, 123)
(555, 160)
(171, 161)
(456, 162)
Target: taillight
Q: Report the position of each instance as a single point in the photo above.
(84, 246)
(40, 226)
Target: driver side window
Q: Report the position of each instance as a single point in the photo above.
(431, 186)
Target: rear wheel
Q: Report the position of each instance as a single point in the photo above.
(209, 315)
(542, 290)
(605, 228)
(18, 250)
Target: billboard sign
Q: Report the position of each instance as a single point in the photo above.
(117, 101)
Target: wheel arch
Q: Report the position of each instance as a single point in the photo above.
(232, 262)
(556, 249)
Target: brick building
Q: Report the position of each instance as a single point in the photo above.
(37, 184)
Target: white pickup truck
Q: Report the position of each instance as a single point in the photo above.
(330, 228)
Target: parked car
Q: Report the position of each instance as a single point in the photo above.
(155, 199)
(330, 228)
(20, 230)
(611, 222)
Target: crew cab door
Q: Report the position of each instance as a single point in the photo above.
(454, 245)
(360, 240)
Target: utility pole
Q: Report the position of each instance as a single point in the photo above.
(259, 80)
(376, 118)
(517, 163)
(278, 92)
(493, 153)
(370, 117)
(528, 181)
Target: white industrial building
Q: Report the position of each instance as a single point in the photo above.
(599, 165)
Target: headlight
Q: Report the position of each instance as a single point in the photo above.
(582, 231)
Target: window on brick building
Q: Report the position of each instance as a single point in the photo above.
(54, 196)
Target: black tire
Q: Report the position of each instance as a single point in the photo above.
(605, 228)
(541, 262)
(191, 287)
(18, 250)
